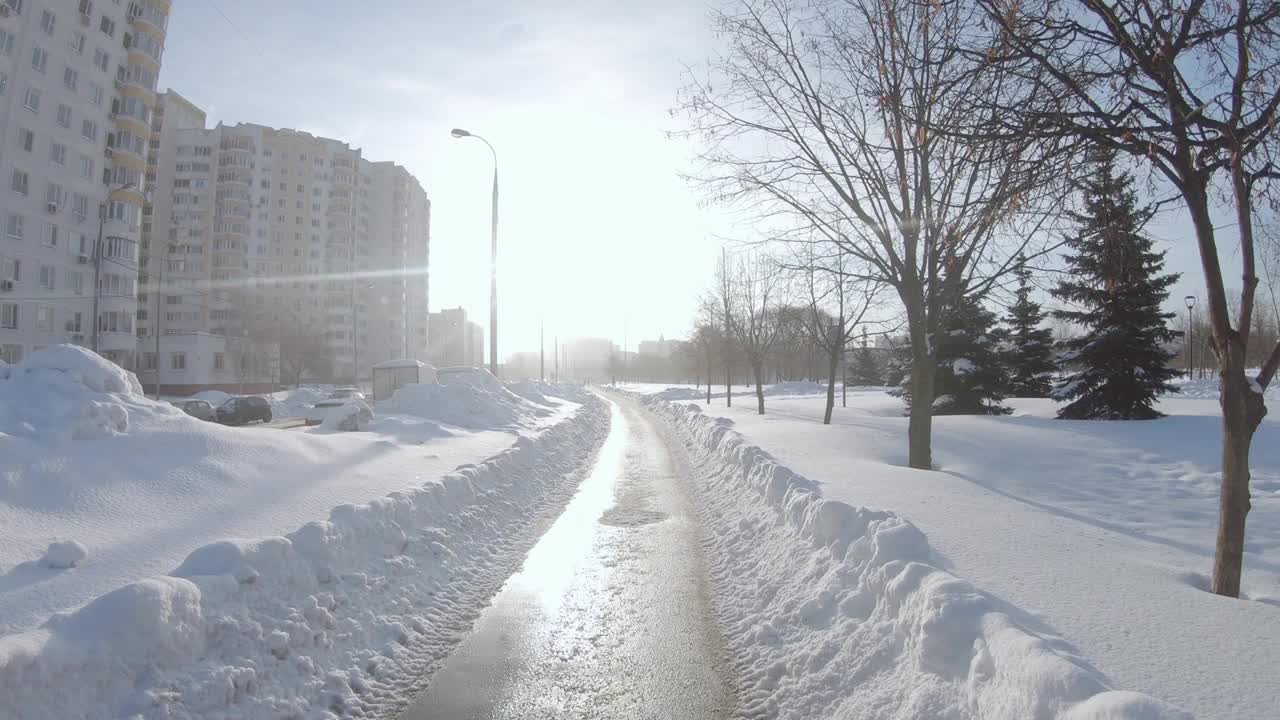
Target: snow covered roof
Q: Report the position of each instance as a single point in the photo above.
(402, 363)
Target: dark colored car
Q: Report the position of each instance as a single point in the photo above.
(198, 409)
(242, 410)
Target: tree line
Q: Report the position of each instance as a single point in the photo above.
(931, 151)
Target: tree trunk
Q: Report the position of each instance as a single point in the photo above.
(728, 385)
(708, 376)
(831, 387)
(1242, 411)
(920, 427)
(757, 369)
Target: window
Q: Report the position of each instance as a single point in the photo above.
(76, 281)
(148, 361)
(86, 7)
(46, 277)
(75, 323)
(10, 269)
(54, 193)
(95, 94)
(11, 354)
(14, 230)
(77, 42)
(47, 21)
(57, 153)
(9, 317)
(44, 318)
(31, 100)
(108, 26)
(218, 361)
(89, 130)
(101, 60)
(86, 167)
(51, 235)
(26, 139)
(20, 182)
(6, 42)
(177, 361)
(64, 115)
(39, 58)
(70, 78)
(4, 82)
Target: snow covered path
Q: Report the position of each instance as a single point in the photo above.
(1098, 534)
(610, 616)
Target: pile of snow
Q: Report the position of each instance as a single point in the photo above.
(833, 610)
(465, 404)
(296, 402)
(213, 397)
(65, 392)
(344, 617)
(676, 393)
(64, 554)
(351, 416)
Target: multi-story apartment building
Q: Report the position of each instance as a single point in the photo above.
(77, 89)
(259, 235)
(455, 340)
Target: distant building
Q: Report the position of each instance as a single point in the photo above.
(660, 348)
(454, 340)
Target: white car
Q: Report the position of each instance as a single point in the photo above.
(336, 399)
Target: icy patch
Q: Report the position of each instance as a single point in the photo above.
(64, 554)
(839, 611)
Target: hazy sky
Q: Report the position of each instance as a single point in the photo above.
(598, 234)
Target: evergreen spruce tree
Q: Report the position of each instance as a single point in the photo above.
(866, 369)
(971, 377)
(1121, 363)
(1029, 355)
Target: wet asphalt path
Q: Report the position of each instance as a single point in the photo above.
(610, 616)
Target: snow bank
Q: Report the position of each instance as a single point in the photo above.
(343, 617)
(687, 392)
(473, 403)
(840, 611)
(349, 417)
(65, 392)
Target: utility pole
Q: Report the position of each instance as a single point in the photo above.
(156, 325)
(542, 357)
(97, 269)
(555, 375)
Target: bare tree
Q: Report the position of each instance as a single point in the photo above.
(302, 353)
(836, 302)
(718, 308)
(1191, 89)
(757, 324)
(824, 115)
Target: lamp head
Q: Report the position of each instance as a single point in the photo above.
(1190, 301)
(459, 133)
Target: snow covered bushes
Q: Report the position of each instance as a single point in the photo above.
(833, 610)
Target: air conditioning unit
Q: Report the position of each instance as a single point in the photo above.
(108, 151)
(51, 207)
(82, 259)
(6, 285)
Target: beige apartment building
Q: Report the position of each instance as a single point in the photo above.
(257, 235)
(77, 93)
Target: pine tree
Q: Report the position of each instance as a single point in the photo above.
(1121, 363)
(866, 368)
(1029, 356)
(971, 377)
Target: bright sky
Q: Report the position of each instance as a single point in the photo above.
(598, 234)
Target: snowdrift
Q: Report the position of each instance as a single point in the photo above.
(748, 393)
(833, 610)
(475, 404)
(66, 393)
(341, 617)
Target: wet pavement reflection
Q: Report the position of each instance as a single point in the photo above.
(610, 615)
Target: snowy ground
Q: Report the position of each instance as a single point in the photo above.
(1095, 539)
(368, 553)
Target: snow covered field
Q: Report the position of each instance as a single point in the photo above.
(253, 572)
(1087, 545)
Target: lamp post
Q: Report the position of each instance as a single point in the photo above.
(97, 257)
(355, 339)
(1190, 302)
(493, 263)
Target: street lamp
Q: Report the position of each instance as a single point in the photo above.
(1190, 302)
(493, 263)
(97, 256)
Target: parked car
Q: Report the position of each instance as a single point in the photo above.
(200, 409)
(337, 398)
(242, 410)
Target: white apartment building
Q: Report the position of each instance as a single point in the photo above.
(77, 89)
(257, 234)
